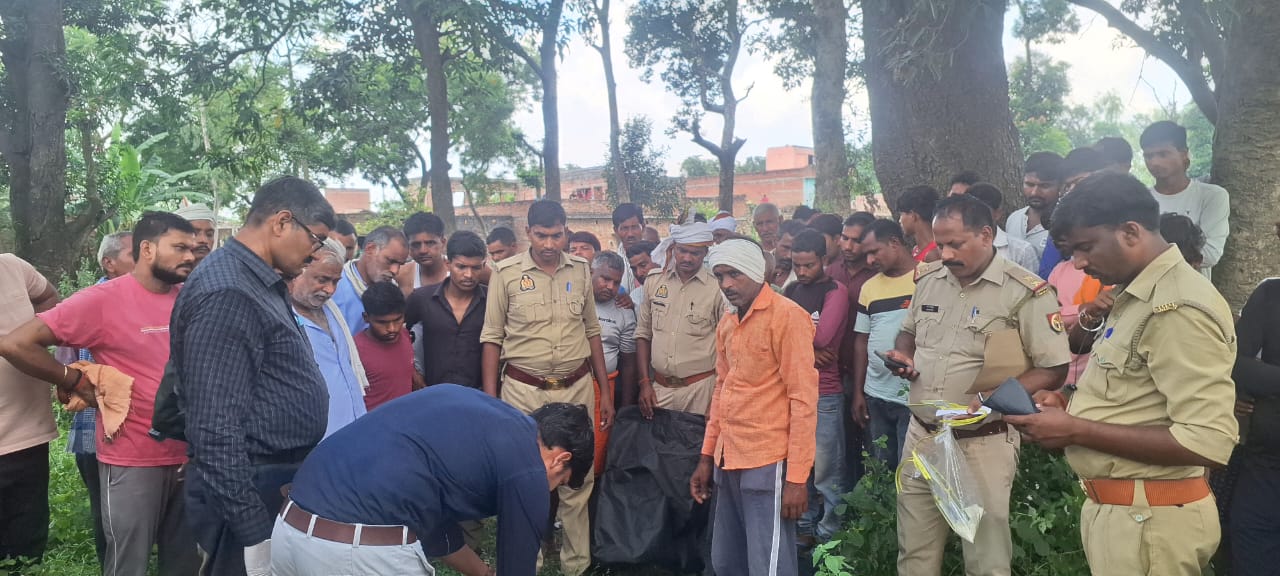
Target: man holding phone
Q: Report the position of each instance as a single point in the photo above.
(963, 303)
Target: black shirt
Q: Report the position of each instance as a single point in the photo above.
(451, 351)
(422, 461)
(250, 387)
(1257, 370)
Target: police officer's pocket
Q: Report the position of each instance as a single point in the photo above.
(1110, 359)
(575, 305)
(697, 324)
(528, 308)
(928, 330)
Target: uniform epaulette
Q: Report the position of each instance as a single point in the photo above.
(509, 262)
(578, 259)
(655, 272)
(925, 268)
(1031, 281)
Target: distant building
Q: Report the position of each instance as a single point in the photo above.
(348, 200)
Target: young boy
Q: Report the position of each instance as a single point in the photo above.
(386, 349)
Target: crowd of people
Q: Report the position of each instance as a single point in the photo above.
(297, 400)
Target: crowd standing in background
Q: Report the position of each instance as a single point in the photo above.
(296, 399)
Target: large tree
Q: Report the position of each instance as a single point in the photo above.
(596, 18)
(1225, 54)
(939, 94)
(694, 47)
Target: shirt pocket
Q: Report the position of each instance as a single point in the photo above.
(698, 324)
(573, 305)
(1110, 361)
(929, 333)
(528, 308)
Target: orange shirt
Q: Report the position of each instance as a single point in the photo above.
(764, 406)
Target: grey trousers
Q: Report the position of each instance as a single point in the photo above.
(142, 506)
(750, 537)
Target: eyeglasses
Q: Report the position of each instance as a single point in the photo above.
(316, 240)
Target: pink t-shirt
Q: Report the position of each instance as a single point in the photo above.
(1066, 279)
(126, 327)
(388, 365)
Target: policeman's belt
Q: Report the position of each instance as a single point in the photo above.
(556, 383)
(343, 533)
(988, 429)
(1118, 492)
(677, 382)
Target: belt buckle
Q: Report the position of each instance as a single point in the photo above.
(675, 381)
(552, 383)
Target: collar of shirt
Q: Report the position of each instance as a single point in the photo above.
(528, 263)
(259, 267)
(702, 275)
(437, 294)
(1144, 284)
(1002, 239)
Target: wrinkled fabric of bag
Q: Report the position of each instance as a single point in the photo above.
(644, 512)
(942, 463)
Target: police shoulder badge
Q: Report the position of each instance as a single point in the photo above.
(662, 291)
(526, 283)
(1055, 322)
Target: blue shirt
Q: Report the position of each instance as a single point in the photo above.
(249, 387)
(429, 460)
(349, 302)
(333, 356)
(1050, 259)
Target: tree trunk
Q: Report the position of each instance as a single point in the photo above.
(550, 100)
(728, 144)
(1246, 147)
(426, 34)
(34, 146)
(830, 63)
(939, 94)
(621, 179)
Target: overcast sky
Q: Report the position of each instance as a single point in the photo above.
(1101, 61)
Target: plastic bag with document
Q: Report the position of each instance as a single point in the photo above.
(940, 461)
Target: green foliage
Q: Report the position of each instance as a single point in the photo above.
(750, 165)
(650, 186)
(1037, 93)
(133, 182)
(699, 167)
(1045, 21)
(1044, 518)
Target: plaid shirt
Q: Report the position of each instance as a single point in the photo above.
(84, 424)
(249, 386)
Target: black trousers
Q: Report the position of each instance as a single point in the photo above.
(1255, 518)
(24, 503)
(87, 464)
(224, 555)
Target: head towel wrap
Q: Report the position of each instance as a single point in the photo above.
(193, 212)
(742, 255)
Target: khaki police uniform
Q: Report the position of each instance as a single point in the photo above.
(542, 322)
(952, 325)
(1163, 358)
(679, 319)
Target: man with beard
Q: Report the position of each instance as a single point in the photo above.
(541, 320)
(451, 315)
(424, 233)
(332, 346)
(972, 313)
(1041, 186)
(676, 328)
(206, 224)
(617, 334)
(782, 273)
(766, 218)
(759, 442)
(1154, 408)
(125, 324)
(385, 251)
(827, 303)
(1164, 149)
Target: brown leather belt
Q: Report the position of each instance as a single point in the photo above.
(344, 533)
(557, 383)
(677, 382)
(988, 429)
(1118, 492)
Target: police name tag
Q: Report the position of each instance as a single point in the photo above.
(928, 308)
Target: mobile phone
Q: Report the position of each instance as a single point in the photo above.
(889, 362)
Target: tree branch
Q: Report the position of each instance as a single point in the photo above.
(1191, 73)
(1196, 19)
(520, 51)
(744, 96)
(706, 102)
(696, 131)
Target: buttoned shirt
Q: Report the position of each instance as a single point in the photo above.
(450, 349)
(617, 332)
(333, 357)
(541, 321)
(951, 324)
(1017, 250)
(250, 388)
(1163, 358)
(679, 319)
(763, 409)
(1037, 236)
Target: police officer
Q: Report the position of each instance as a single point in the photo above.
(1153, 408)
(676, 328)
(975, 319)
(541, 321)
